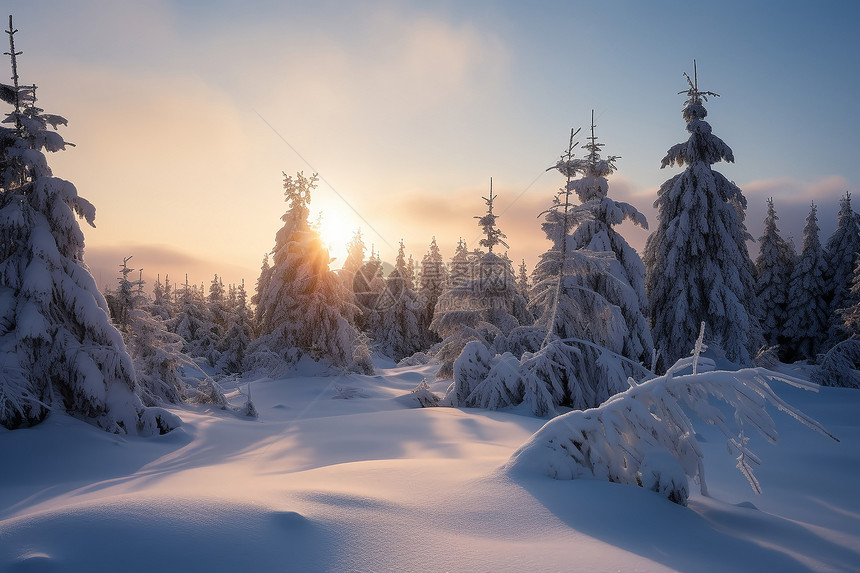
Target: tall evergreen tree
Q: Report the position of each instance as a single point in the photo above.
(580, 293)
(698, 267)
(773, 268)
(431, 283)
(523, 280)
(397, 334)
(850, 313)
(193, 323)
(155, 352)
(58, 349)
(305, 308)
(238, 335)
(806, 325)
(354, 259)
(594, 230)
(484, 303)
(840, 256)
(368, 286)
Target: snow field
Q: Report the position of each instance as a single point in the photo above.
(370, 483)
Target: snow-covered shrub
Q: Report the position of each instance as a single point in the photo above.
(644, 437)
(417, 359)
(424, 396)
(840, 366)
(471, 366)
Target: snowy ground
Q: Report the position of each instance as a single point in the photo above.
(371, 483)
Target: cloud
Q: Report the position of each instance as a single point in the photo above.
(788, 190)
(161, 260)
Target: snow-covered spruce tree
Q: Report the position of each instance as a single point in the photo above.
(523, 283)
(219, 309)
(192, 321)
(806, 323)
(58, 349)
(238, 335)
(588, 352)
(624, 286)
(161, 304)
(698, 266)
(354, 259)
(850, 314)
(156, 353)
(840, 257)
(397, 333)
(303, 308)
(482, 305)
(773, 268)
(644, 436)
(460, 267)
(431, 283)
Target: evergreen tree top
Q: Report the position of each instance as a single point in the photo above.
(702, 146)
(696, 96)
(494, 236)
(297, 191)
(810, 230)
(593, 165)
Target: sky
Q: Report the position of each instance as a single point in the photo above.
(185, 115)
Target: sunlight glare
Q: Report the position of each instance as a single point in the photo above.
(336, 229)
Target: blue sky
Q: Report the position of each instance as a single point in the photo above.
(186, 113)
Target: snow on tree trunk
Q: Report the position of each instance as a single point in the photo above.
(698, 267)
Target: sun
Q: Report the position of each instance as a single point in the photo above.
(336, 228)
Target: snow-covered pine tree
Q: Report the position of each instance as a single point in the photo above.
(354, 260)
(624, 286)
(806, 323)
(431, 284)
(773, 268)
(850, 314)
(698, 266)
(579, 293)
(303, 307)
(161, 304)
(218, 308)
(523, 283)
(481, 305)
(58, 349)
(369, 286)
(238, 335)
(193, 323)
(155, 352)
(410, 273)
(261, 287)
(460, 267)
(397, 333)
(840, 257)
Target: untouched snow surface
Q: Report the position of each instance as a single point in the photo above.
(320, 482)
